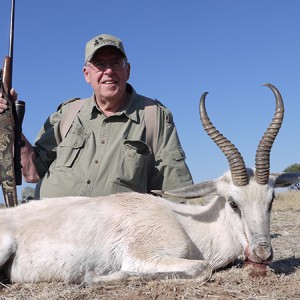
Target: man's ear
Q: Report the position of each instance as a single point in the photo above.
(128, 70)
(86, 74)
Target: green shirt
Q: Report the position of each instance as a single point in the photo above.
(104, 155)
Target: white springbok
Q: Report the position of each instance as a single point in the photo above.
(107, 239)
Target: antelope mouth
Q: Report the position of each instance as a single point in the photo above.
(248, 261)
(262, 255)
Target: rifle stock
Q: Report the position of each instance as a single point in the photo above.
(7, 138)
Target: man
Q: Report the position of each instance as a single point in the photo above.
(106, 148)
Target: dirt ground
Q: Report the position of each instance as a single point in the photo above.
(282, 280)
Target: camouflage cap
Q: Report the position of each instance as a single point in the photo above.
(102, 40)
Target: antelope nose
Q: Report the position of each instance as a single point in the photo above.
(263, 251)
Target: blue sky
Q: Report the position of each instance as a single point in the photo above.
(177, 51)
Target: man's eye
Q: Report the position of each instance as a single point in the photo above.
(100, 65)
(116, 64)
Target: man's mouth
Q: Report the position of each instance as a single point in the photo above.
(109, 82)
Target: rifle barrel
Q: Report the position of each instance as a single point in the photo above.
(11, 32)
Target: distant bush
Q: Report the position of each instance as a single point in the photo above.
(292, 168)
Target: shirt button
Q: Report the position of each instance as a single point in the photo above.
(88, 182)
(96, 161)
(102, 142)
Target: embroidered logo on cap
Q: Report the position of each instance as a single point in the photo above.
(101, 41)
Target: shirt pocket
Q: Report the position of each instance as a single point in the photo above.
(132, 171)
(68, 151)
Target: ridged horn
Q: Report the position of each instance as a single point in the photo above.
(262, 158)
(235, 159)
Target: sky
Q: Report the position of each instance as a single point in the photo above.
(177, 51)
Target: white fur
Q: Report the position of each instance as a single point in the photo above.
(88, 240)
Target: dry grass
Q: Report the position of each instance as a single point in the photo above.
(282, 280)
(289, 200)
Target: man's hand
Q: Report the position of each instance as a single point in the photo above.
(3, 102)
(3, 105)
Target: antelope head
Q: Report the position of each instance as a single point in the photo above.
(245, 195)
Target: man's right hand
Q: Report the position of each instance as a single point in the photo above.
(3, 105)
(3, 102)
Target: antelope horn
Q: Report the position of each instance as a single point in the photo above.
(235, 159)
(262, 158)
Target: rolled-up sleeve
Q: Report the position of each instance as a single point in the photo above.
(46, 143)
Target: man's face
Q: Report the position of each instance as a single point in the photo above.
(107, 73)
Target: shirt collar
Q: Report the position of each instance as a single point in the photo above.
(131, 110)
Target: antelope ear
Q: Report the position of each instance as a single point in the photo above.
(285, 179)
(207, 188)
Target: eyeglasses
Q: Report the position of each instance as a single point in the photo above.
(101, 66)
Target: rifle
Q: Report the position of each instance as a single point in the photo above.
(10, 128)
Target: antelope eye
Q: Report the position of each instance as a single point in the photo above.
(234, 206)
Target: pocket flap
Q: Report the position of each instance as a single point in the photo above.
(177, 153)
(74, 142)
